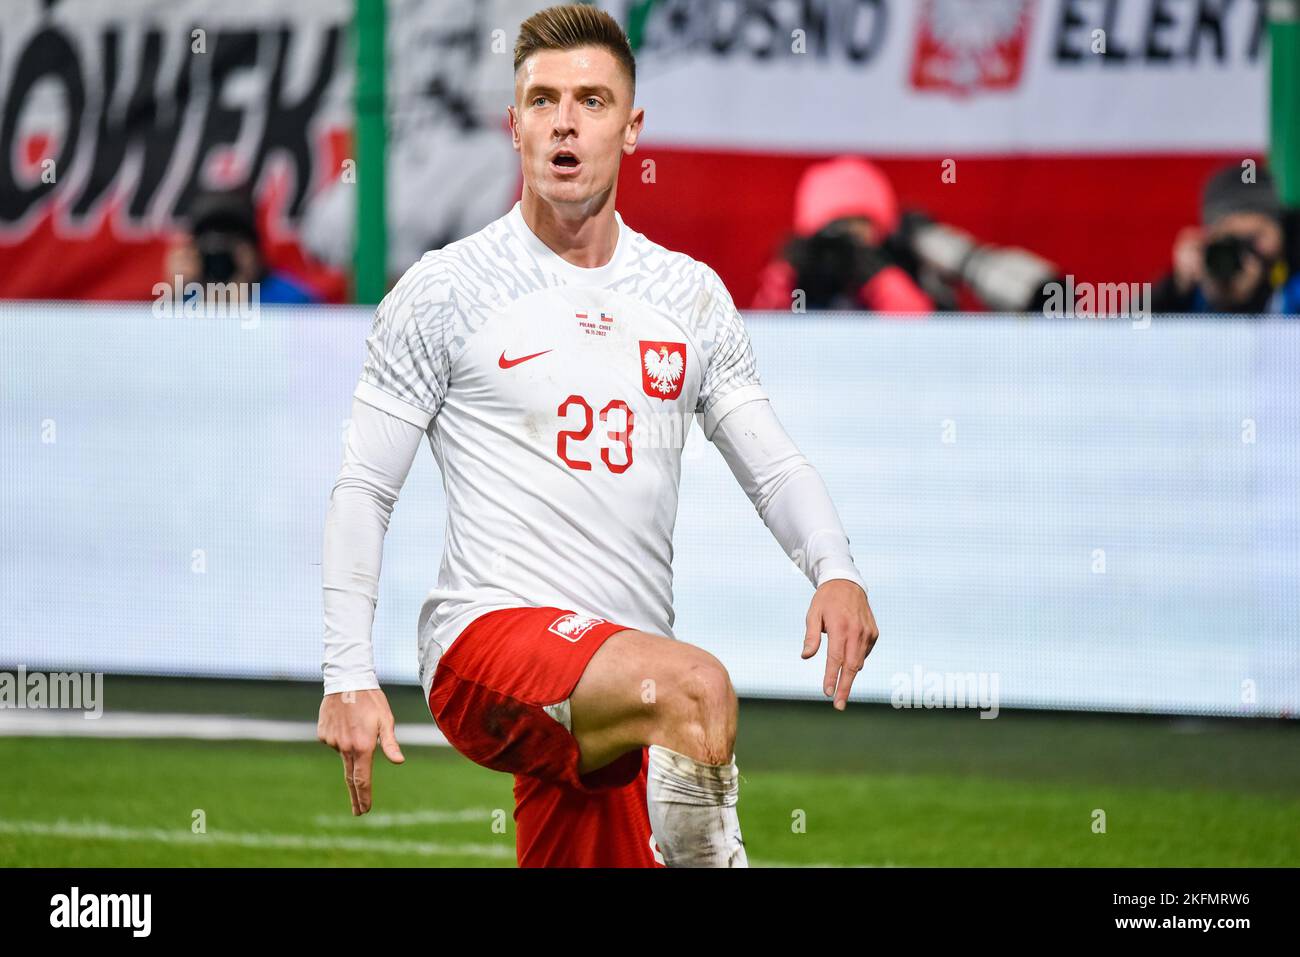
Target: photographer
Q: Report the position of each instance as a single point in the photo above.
(845, 211)
(1235, 261)
(223, 246)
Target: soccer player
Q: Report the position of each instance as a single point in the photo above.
(545, 358)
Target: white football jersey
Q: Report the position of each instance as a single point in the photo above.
(556, 400)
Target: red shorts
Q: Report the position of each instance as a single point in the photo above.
(487, 698)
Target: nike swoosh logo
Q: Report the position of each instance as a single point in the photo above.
(505, 363)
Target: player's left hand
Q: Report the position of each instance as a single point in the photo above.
(839, 608)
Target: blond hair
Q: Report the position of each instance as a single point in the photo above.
(570, 26)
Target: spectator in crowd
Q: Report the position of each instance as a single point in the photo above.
(845, 211)
(222, 246)
(1235, 261)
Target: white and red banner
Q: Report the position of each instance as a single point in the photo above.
(1080, 129)
(952, 77)
(114, 115)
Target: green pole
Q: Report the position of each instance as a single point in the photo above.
(370, 257)
(637, 14)
(1284, 44)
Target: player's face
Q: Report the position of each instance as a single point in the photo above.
(572, 122)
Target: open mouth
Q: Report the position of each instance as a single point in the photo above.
(565, 160)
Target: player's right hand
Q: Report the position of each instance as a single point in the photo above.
(350, 723)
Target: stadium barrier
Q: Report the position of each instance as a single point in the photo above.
(1049, 514)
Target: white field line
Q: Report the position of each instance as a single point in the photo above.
(378, 819)
(39, 723)
(99, 831)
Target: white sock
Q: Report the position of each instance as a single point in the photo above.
(693, 810)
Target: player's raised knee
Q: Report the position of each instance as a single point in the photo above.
(697, 708)
(707, 685)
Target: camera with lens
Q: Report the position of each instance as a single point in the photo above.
(832, 265)
(1225, 257)
(217, 254)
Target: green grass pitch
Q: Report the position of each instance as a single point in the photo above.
(868, 787)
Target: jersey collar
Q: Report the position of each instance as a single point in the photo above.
(596, 276)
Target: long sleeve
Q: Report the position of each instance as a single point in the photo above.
(787, 492)
(377, 458)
